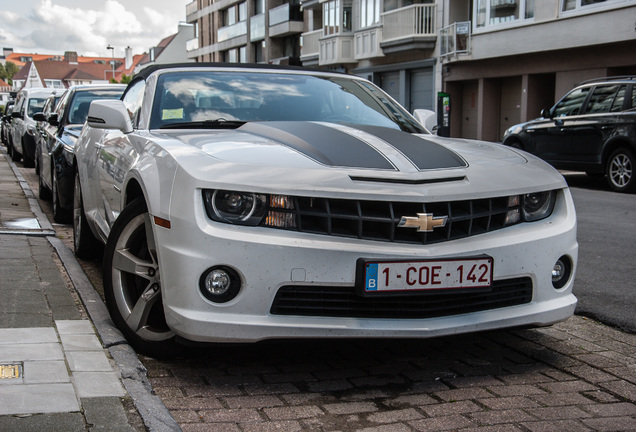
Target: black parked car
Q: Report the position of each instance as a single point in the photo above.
(592, 129)
(5, 122)
(65, 123)
(40, 127)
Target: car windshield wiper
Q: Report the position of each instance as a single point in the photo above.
(219, 123)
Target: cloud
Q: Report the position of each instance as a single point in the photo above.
(53, 28)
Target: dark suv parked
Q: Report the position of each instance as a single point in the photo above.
(591, 129)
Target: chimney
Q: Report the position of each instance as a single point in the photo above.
(7, 51)
(70, 56)
(129, 58)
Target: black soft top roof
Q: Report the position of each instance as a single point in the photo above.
(147, 71)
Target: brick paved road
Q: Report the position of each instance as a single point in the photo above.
(577, 375)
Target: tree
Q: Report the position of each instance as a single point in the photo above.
(126, 79)
(10, 69)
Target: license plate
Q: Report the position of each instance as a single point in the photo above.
(407, 276)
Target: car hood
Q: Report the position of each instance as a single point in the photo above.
(329, 156)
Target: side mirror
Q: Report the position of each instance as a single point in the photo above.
(53, 120)
(546, 113)
(16, 114)
(109, 114)
(426, 118)
(39, 116)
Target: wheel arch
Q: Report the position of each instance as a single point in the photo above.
(614, 145)
(133, 191)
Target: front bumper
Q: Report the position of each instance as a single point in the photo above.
(268, 259)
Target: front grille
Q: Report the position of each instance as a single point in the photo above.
(378, 220)
(326, 301)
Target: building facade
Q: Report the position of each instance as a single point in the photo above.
(503, 61)
(500, 61)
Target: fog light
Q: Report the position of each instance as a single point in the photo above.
(561, 272)
(220, 284)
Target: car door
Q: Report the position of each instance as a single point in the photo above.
(116, 155)
(550, 138)
(593, 127)
(52, 131)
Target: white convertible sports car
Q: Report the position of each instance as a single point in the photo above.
(242, 203)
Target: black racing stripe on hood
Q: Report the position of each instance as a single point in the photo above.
(324, 144)
(422, 153)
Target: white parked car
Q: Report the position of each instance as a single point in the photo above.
(246, 203)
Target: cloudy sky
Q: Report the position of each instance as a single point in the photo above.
(87, 26)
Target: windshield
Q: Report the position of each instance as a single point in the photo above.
(35, 106)
(82, 100)
(213, 99)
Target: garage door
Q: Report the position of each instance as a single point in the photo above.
(391, 84)
(422, 85)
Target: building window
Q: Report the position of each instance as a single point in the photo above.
(336, 16)
(53, 83)
(495, 12)
(229, 16)
(369, 13)
(259, 7)
(568, 5)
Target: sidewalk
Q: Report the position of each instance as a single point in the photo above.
(57, 373)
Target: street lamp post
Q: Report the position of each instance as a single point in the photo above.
(113, 61)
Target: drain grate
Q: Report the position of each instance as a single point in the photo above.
(10, 371)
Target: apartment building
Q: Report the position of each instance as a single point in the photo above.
(503, 61)
(500, 61)
(391, 42)
(245, 31)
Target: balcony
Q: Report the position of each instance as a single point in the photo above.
(257, 27)
(367, 43)
(310, 47)
(285, 20)
(336, 49)
(409, 28)
(232, 31)
(455, 40)
(192, 44)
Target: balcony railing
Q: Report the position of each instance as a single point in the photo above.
(411, 21)
(232, 31)
(455, 39)
(257, 27)
(310, 43)
(284, 13)
(192, 44)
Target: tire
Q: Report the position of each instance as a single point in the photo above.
(133, 297)
(43, 192)
(27, 162)
(15, 156)
(60, 215)
(620, 171)
(85, 244)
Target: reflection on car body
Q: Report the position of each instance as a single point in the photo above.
(242, 203)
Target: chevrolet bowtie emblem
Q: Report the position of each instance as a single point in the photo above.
(424, 222)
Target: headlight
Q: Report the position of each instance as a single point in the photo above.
(243, 208)
(530, 207)
(247, 208)
(538, 205)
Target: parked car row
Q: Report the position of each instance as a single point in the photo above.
(41, 129)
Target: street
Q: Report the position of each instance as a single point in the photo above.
(606, 276)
